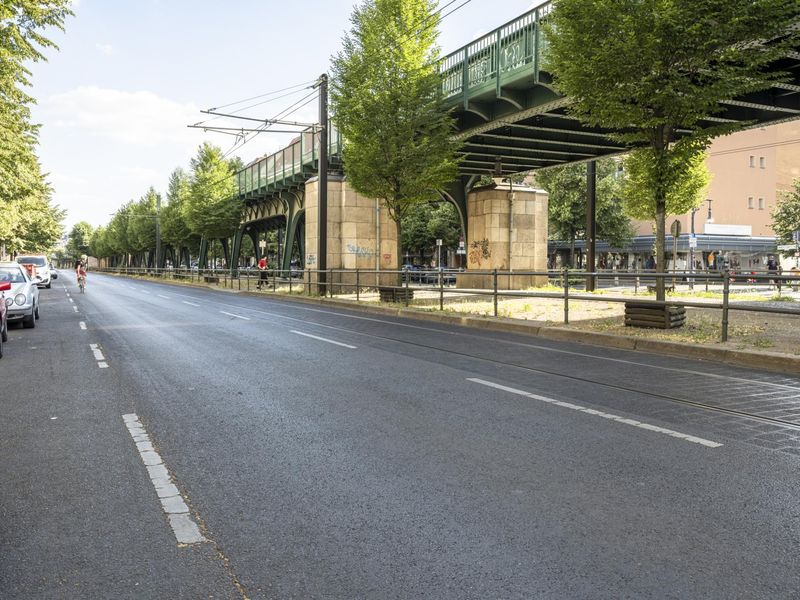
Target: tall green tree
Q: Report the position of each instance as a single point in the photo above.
(654, 70)
(786, 216)
(212, 208)
(118, 233)
(27, 219)
(174, 229)
(80, 239)
(386, 102)
(566, 187)
(142, 222)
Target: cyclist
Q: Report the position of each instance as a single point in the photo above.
(80, 272)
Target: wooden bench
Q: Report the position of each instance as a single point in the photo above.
(643, 314)
(395, 294)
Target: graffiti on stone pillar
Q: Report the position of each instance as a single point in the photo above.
(479, 251)
(311, 260)
(360, 251)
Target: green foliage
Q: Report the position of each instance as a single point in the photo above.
(786, 216)
(566, 187)
(142, 222)
(656, 69)
(80, 240)
(174, 229)
(424, 223)
(686, 177)
(28, 222)
(212, 208)
(398, 143)
(117, 230)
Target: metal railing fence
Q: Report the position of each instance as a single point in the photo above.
(362, 282)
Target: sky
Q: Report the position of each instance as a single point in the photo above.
(114, 102)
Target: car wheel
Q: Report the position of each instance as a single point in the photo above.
(29, 322)
(48, 286)
(36, 311)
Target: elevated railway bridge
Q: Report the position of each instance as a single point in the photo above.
(510, 120)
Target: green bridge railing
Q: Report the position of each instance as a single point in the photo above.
(288, 166)
(497, 58)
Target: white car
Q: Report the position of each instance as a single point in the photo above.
(42, 266)
(22, 300)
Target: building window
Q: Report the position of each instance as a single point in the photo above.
(760, 204)
(750, 202)
(752, 161)
(762, 162)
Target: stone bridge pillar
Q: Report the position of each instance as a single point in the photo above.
(359, 236)
(507, 231)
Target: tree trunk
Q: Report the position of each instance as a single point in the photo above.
(399, 253)
(661, 218)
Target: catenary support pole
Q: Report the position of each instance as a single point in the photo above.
(322, 221)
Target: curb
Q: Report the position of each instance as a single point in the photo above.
(767, 361)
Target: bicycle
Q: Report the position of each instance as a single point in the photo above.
(82, 283)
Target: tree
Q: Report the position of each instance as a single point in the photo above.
(424, 223)
(118, 232)
(27, 220)
(142, 222)
(386, 102)
(174, 229)
(689, 180)
(653, 70)
(786, 216)
(212, 207)
(80, 239)
(566, 187)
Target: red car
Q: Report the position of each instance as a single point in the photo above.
(4, 287)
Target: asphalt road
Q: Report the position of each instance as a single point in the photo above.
(324, 453)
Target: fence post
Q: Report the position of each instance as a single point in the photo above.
(566, 296)
(330, 281)
(706, 279)
(358, 286)
(407, 280)
(726, 287)
(494, 290)
(290, 280)
(307, 286)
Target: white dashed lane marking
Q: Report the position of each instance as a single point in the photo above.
(162, 296)
(98, 356)
(75, 308)
(183, 526)
(597, 413)
(189, 303)
(82, 325)
(235, 316)
(322, 339)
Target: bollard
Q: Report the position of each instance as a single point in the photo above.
(566, 296)
(726, 285)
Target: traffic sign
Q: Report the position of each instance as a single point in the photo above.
(675, 229)
(693, 241)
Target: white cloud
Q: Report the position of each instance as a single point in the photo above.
(136, 118)
(105, 49)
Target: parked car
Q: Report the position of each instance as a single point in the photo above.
(41, 268)
(22, 300)
(4, 287)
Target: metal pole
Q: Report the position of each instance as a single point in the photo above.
(494, 288)
(158, 232)
(566, 296)
(441, 285)
(358, 286)
(591, 221)
(407, 280)
(726, 286)
(322, 213)
(692, 240)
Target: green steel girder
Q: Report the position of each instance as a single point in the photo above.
(505, 105)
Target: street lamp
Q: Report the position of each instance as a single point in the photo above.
(710, 219)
